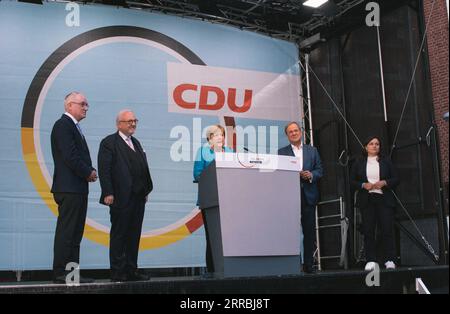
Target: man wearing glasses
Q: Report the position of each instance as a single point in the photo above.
(73, 171)
(126, 182)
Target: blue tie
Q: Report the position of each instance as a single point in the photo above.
(79, 130)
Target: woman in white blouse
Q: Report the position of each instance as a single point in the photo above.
(374, 177)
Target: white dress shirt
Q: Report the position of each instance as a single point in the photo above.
(127, 140)
(373, 173)
(77, 124)
(71, 117)
(298, 152)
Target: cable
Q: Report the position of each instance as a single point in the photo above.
(336, 107)
(345, 163)
(427, 244)
(412, 79)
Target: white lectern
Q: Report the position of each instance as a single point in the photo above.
(252, 206)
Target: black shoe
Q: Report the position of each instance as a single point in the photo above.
(137, 276)
(207, 275)
(60, 279)
(86, 280)
(119, 277)
(308, 269)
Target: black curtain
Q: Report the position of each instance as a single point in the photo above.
(348, 67)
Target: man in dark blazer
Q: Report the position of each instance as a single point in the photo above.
(126, 182)
(73, 171)
(310, 174)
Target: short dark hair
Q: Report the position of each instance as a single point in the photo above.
(290, 123)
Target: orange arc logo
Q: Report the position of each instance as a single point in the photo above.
(35, 95)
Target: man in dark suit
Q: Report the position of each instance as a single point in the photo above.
(126, 182)
(310, 174)
(73, 171)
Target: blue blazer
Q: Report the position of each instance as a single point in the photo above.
(205, 155)
(311, 162)
(71, 157)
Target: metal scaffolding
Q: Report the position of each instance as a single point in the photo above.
(251, 15)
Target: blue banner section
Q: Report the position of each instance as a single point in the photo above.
(118, 58)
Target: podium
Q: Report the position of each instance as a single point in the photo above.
(251, 204)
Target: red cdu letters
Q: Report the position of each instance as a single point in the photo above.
(178, 95)
(206, 91)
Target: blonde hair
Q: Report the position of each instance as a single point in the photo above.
(213, 129)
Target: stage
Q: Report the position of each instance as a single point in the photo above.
(399, 281)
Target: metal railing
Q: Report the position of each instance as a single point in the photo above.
(343, 232)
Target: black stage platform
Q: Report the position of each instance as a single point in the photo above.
(397, 281)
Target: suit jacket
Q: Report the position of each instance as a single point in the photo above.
(311, 162)
(71, 157)
(114, 169)
(358, 176)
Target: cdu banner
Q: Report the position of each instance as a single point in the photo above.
(179, 76)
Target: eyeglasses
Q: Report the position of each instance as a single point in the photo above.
(130, 122)
(82, 104)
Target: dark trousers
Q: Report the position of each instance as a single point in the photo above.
(209, 258)
(125, 235)
(378, 216)
(72, 209)
(309, 231)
